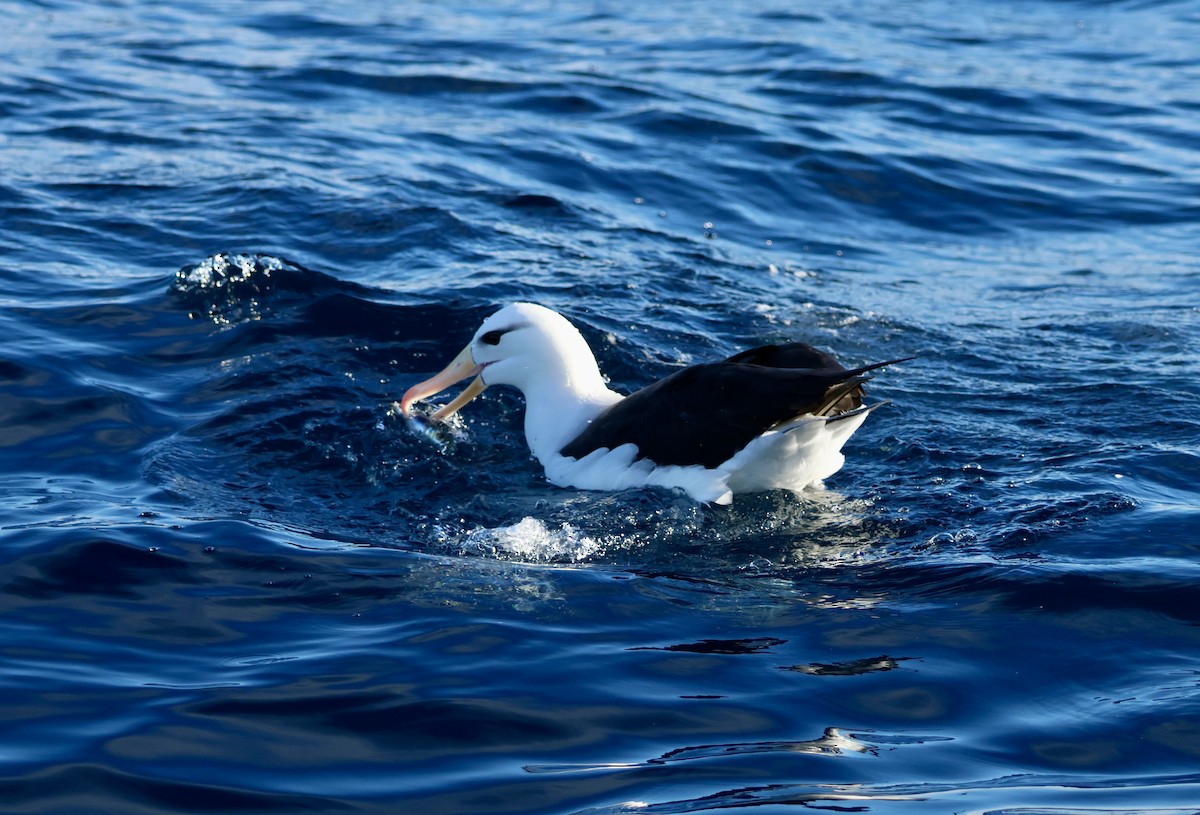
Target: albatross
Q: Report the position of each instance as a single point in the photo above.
(773, 417)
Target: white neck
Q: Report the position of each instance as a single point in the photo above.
(558, 406)
(545, 357)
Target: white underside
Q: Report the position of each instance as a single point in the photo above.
(793, 456)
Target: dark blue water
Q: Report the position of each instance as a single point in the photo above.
(231, 234)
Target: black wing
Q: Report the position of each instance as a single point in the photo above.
(706, 413)
(801, 355)
(789, 355)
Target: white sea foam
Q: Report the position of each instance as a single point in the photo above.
(532, 540)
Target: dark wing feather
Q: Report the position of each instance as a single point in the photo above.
(707, 413)
(802, 355)
(789, 355)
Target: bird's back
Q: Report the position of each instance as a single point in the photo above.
(705, 414)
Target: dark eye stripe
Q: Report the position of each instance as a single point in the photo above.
(493, 337)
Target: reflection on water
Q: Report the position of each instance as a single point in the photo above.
(833, 742)
(1019, 794)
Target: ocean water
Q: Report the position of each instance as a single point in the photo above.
(232, 234)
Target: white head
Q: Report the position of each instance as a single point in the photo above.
(524, 345)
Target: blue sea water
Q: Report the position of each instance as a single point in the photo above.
(231, 234)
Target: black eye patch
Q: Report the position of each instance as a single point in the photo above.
(493, 337)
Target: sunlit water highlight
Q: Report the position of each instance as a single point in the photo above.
(234, 579)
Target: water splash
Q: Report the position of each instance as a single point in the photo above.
(228, 289)
(533, 541)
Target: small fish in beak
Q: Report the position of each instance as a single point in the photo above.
(462, 367)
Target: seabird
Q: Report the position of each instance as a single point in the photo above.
(768, 418)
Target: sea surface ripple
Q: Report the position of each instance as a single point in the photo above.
(232, 580)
